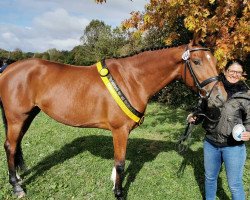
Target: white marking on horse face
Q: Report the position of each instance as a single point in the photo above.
(113, 177)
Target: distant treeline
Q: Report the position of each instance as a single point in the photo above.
(101, 41)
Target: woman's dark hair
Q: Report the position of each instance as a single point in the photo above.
(234, 61)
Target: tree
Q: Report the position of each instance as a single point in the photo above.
(17, 54)
(100, 41)
(4, 54)
(225, 22)
(46, 56)
(55, 55)
(80, 56)
(28, 55)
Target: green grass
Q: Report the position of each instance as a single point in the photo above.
(71, 163)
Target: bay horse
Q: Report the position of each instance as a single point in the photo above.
(77, 96)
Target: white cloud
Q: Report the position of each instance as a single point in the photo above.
(60, 23)
(54, 29)
(64, 43)
(37, 26)
(9, 36)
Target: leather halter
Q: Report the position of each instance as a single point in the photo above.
(186, 58)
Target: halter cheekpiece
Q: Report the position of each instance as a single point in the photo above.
(186, 57)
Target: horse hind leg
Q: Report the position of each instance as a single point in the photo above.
(19, 160)
(17, 126)
(10, 145)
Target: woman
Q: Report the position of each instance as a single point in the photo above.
(219, 144)
(4, 66)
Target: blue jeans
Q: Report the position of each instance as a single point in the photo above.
(234, 158)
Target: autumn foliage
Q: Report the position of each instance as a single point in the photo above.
(225, 24)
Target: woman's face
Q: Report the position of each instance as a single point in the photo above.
(234, 73)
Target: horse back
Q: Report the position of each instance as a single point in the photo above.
(72, 95)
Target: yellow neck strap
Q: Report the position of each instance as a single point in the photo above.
(103, 74)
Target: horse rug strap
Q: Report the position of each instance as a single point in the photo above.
(117, 94)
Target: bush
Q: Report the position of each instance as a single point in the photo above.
(177, 94)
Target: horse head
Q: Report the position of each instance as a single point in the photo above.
(201, 74)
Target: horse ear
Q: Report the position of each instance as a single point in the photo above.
(211, 41)
(197, 37)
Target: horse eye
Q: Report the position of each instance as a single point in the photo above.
(197, 62)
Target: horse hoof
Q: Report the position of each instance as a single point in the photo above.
(119, 197)
(18, 191)
(20, 194)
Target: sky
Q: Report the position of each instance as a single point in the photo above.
(39, 25)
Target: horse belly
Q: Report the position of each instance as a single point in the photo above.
(75, 108)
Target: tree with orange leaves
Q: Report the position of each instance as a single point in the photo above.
(225, 22)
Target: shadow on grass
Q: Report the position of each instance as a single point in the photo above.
(195, 159)
(139, 151)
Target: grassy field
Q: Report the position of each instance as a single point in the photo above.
(72, 163)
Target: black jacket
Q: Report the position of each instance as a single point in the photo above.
(234, 111)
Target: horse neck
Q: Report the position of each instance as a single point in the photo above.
(153, 70)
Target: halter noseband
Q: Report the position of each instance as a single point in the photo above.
(186, 58)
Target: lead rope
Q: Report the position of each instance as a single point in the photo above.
(185, 140)
(246, 85)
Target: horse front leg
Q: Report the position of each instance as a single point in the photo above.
(120, 139)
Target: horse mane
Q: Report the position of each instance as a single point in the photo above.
(153, 48)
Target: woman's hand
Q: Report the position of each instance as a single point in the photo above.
(191, 118)
(245, 136)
